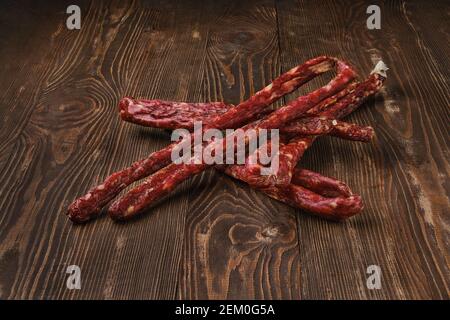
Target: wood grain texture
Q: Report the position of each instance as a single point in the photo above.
(407, 216)
(239, 244)
(214, 237)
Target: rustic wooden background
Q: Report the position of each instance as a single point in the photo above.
(216, 238)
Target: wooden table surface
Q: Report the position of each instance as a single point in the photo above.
(215, 237)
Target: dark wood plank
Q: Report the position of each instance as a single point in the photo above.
(401, 176)
(214, 237)
(76, 139)
(238, 243)
(26, 74)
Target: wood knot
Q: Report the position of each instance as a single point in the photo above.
(241, 38)
(268, 234)
(271, 231)
(245, 234)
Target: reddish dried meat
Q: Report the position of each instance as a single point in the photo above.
(339, 204)
(182, 115)
(317, 126)
(291, 153)
(169, 114)
(90, 205)
(164, 181)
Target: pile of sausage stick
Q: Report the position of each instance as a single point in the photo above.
(300, 122)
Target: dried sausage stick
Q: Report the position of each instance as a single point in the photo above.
(353, 201)
(319, 198)
(169, 114)
(317, 126)
(329, 199)
(165, 180)
(182, 115)
(325, 186)
(290, 154)
(179, 114)
(339, 208)
(175, 115)
(91, 204)
(309, 191)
